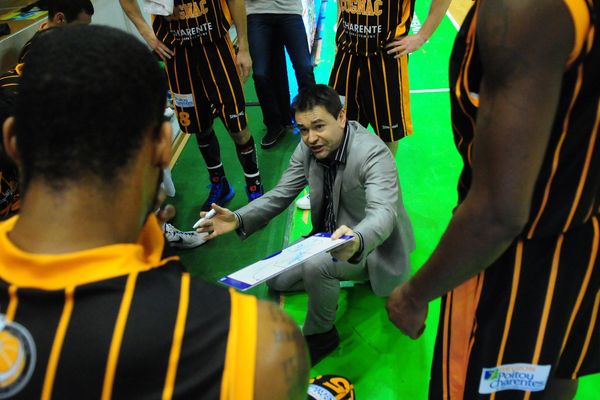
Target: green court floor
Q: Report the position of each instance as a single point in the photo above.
(382, 363)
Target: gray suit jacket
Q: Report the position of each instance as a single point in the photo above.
(366, 198)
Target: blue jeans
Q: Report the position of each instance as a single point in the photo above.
(268, 35)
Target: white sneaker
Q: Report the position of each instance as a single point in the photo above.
(303, 203)
(183, 240)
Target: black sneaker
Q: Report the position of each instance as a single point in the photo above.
(271, 138)
(220, 193)
(321, 345)
(254, 192)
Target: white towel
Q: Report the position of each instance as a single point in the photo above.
(158, 7)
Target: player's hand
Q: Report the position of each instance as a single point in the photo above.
(244, 63)
(401, 46)
(223, 222)
(347, 250)
(159, 47)
(406, 312)
(165, 213)
(161, 212)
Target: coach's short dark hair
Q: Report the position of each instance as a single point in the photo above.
(70, 8)
(317, 95)
(88, 97)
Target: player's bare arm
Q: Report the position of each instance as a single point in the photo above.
(243, 60)
(282, 360)
(524, 57)
(133, 12)
(410, 43)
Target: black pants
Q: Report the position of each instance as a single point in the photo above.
(268, 35)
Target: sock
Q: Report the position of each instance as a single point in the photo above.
(247, 155)
(211, 152)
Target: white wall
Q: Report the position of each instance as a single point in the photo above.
(109, 12)
(10, 46)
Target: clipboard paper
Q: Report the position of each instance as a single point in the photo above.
(281, 261)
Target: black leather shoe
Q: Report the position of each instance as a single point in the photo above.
(322, 344)
(271, 137)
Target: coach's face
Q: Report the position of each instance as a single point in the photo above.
(321, 131)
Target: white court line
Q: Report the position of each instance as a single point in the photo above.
(451, 18)
(430, 90)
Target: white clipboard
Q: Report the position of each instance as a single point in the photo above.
(281, 261)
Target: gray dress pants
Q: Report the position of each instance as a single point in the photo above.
(320, 277)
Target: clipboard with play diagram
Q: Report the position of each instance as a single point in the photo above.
(281, 261)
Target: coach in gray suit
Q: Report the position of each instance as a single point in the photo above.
(354, 190)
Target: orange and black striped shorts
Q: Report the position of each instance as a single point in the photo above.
(376, 92)
(205, 83)
(531, 317)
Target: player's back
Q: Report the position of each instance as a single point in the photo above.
(100, 324)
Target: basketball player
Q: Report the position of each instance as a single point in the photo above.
(518, 265)
(60, 13)
(205, 78)
(90, 305)
(371, 63)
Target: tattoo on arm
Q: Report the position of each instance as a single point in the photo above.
(295, 367)
(276, 314)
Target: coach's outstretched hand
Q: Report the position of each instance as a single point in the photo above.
(224, 221)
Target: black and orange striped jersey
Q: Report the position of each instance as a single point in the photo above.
(532, 315)
(567, 188)
(9, 88)
(25, 49)
(9, 84)
(366, 26)
(9, 81)
(9, 193)
(193, 22)
(9, 188)
(120, 321)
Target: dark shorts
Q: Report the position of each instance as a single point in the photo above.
(205, 83)
(532, 316)
(376, 91)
